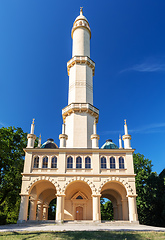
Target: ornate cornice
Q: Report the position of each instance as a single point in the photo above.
(80, 107)
(30, 135)
(80, 60)
(126, 137)
(81, 23)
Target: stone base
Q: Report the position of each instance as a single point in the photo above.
(59, 221)
(134, 222)
(21, 221)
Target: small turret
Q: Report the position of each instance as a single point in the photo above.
(63, 137)
(31, 136)
(94, 137)
(81, 34)
(120, 142)
(126, 137)
(39, 141)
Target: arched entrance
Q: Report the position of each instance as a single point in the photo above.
(41, 194)
(78, 201)
(116, 193)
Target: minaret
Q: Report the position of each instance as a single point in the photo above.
(31, 136)
(126, 137)
(120, 142)
(63, 137)
(80, 113)
(39, 141)
(94, 137)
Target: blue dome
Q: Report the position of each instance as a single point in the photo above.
(109, 145)
(49, 144)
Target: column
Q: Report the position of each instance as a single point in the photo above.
(119, 207)
(40, 211)
(125, 209)
(33, 205)
(115, 212)
(45, 212)
(60, 207)
(96, 207)
(23, 208)
(133, 217)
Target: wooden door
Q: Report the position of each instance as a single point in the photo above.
(79, 213)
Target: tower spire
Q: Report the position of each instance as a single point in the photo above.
(31, 136)
(81, 10)
(126, 137)
(120, 142)
(80, 113)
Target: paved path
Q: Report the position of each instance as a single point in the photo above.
(32, 227)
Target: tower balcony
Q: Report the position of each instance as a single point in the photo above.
(81, 60)
(80, 107)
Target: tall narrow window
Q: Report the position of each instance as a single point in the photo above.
(121, 162)
(78, 162)
(87, 162)
(112, 163)
(70, 162)
(36, 162)
(45, 162)
(54, 162)
(103, 162)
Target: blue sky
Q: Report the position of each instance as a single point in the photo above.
(128, 47)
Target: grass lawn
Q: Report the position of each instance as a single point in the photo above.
(104, 235)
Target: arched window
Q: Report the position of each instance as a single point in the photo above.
(78, 162)
(103, 162)
(70, 162)
(112, 163)
(36, 162)
(87, 162)
(79, 197)
(121, 162)
(45, 162)
(54, 162)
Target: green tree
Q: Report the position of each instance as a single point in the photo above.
(149, 187)
(106, 208)
(52, 210)
(12, 142)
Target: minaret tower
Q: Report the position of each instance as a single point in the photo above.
(80, 114)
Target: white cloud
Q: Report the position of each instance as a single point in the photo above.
(147, 66)
(3, 124)
(147, 129)
(150, 128)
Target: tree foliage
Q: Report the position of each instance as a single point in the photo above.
(106, 208)
(151, 191)
(12, 142)
(52, 210)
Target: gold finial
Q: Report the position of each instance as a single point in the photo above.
(33, 121)
(125, 121)
(81, 10)
(40, 135)
(119, 136)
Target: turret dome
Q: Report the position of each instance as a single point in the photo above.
(81, 21)
(109, 145)
(49, 144)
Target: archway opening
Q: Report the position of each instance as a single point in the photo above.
(41, 194)
(78, 201)
(106, 208)
(52, 210)
(117, 194)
